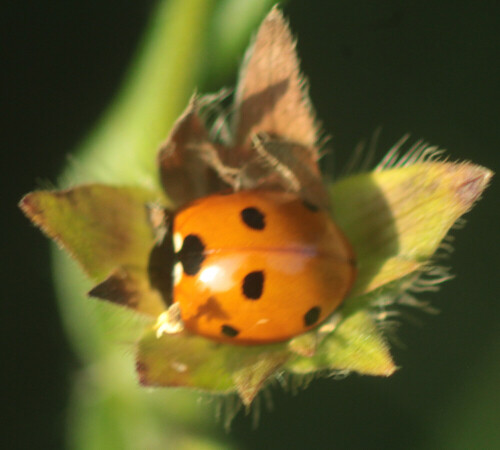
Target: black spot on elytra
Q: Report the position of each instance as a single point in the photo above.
(310, 206)
(191, 254)
(253, 285)
(253, 218)
(229, 331)
(312, 316)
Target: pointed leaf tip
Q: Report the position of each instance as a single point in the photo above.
(396, 218)
(251, 379)
(471, 181)
(355, 345)
(271, 95)
(185, 173)
(106, 230)
(130, 288)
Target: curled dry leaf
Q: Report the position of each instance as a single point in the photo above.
(272, 139)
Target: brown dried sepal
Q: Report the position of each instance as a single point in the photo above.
(271, 96)
(285, 166)
(185, 174)
(125, 288)
(274, 141)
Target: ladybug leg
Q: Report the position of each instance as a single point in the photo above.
(169, 321)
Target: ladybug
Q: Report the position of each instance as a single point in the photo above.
(257, 266)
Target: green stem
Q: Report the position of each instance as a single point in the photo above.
(123, 147)
(108, 408)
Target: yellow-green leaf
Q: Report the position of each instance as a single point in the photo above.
(106, 230)
(355, 345)
(395, 219)
(193, 361)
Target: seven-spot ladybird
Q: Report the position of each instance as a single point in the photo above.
(256, 267)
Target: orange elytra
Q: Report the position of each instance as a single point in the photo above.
(257, 266)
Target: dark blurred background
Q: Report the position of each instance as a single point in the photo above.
(428, 68)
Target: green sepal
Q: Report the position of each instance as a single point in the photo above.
(187, 360)
(395, 219)
(107, 231)
(356, 345)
